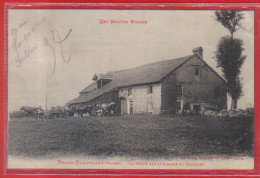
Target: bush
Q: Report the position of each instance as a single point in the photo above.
(18, 114)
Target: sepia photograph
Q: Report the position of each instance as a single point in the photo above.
(130, 89)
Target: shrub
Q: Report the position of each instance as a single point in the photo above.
(18, 114)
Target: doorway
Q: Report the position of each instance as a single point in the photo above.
(131, 107)
(123, 106)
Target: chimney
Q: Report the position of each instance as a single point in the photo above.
(198, 51)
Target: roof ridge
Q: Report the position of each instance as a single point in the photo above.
(150, 64)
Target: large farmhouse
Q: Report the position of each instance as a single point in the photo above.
(186, 83)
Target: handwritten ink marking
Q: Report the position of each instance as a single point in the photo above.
(22, 24)
(37, 24)
(60, 43)
(46, 43)
(17, 44)
(27, 50)
(22, 47)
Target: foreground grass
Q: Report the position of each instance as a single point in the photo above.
(130, 136)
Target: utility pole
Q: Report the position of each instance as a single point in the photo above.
(46, 101)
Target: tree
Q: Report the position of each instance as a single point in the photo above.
(230, 19)
(229, 55)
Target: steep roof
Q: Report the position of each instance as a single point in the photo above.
(145, 74)
(89, 88)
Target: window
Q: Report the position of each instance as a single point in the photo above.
(197, 71)
(130, 91)
(149, 106)
(150, 89)
(121, 90)
(178, 106)
(99, 84)
(196, 108)
(179, 89)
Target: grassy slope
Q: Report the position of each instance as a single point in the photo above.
(136, 136)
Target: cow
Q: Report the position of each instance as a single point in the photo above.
(81, 109)
(50, 114)
(105, 109)
(108, 108)
(54, 112)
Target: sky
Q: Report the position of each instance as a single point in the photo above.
(33, 35)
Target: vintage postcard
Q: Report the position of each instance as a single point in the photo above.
(130, 89)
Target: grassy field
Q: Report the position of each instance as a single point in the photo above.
(130, 136)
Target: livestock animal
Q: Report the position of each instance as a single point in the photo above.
(81, 109)
(108, 108)
(105, 109)
(50, 114)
